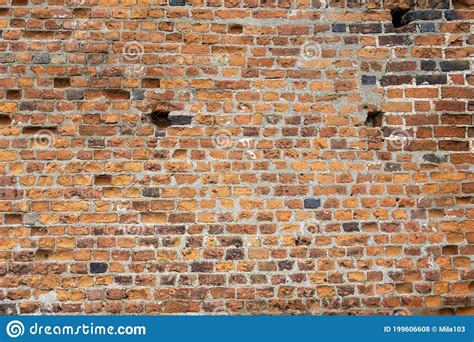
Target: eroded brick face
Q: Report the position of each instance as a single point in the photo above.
(295, 157)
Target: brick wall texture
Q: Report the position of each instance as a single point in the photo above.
(236, 157)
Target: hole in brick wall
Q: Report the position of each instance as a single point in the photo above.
(37, 129)
(13, 218)
(5, 120)
(236, 29)
(180, 154)
(450, 250)
(160, 118)
(81, 12)
(62, 82)
(13, 94)
(374, 119)
(463, 4)
(151, 83)
(397, 16)
(42, 254)
(116, 94)
(102, 180)
(19, 2)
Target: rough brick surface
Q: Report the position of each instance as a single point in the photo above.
(242, 157)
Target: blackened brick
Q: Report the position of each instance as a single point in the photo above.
(312, 203)
(180, 119)
(234, 254)
(454, 65)
(350, 227)
(98, 267)
(365, 28)
(431, 79)
(368, 80)
(421, 15)
(340, 28)
(177, 2)
(396, 80)
(395, 40)
(427, 27)
(428, 65)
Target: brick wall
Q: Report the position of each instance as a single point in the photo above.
(236, 156)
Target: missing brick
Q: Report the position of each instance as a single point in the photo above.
(374, 119)
(151, 83)
(62, 82)
(236, 29)
(463, 4)
(13, 94)
(38, 129)
(161, 119)
(42, 254)
(180, 154)
(19, 2)
(5, 120)
(398, 15)
(102, 180)
(13, 219)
